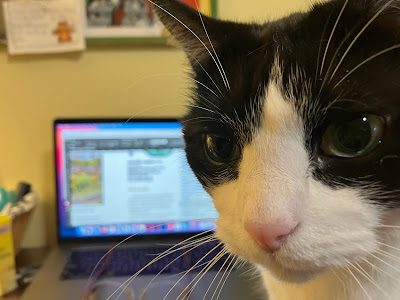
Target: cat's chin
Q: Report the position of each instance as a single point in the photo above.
(288, 275)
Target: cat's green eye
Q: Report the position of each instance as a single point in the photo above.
(220, 149)
(353, 138)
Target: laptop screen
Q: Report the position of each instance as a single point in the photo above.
(118, 178)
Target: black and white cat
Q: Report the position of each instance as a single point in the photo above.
(295, 132)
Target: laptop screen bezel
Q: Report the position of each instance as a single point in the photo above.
(114, 238)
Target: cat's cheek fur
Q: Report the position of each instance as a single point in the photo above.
(335, 225)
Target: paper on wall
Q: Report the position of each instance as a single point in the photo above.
(44, 26)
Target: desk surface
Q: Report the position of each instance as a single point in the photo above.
(26, 258)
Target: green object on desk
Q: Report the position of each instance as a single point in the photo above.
(7, 197)
(3, 198)
(12, 197)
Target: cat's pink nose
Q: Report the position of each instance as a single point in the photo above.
(269, 236)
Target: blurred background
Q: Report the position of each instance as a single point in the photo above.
(103, 81)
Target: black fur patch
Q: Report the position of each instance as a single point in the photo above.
(334, 87)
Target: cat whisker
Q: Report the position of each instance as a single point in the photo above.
(358, 282)
(182, 243)
(387, 254)
(150, 108)
(256, 271)
(366, 61)
(175, 259)
(210, 103)
(185, 245)
(129, 280)
(205, 86)
(333, 102)
(255, 275)
(389, 246)
(388, 226)
(344, 40)
(227, 276)
(358, 35)
(152, 261)
(198, 262)
(212, 46)
(197, 37)
(199, 266)
(331, 35)
(384, 262)
(204, 271)
(179, 75)
(380, 270)
(277, 291)
(362, 271)
(253, 271)
(320, 48)
(336, 101)
(133, 235)
(170, 104)
(223, 115)
(202, 108)
(250, 272)
(231, 257)
(364, 179)
(258, 48)
(208, 75)
(216, 275)
(341, 281)
(200, 118)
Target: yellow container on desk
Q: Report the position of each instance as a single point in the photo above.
(7, 262)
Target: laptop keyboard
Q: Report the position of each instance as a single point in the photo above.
(125, 261)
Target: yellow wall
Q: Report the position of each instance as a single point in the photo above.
(117, 81)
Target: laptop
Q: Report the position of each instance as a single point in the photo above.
(127, 183)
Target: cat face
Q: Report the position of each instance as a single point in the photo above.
(294, 130)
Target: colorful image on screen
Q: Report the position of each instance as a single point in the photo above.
(85, 177)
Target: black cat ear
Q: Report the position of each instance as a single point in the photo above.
(195, 32)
